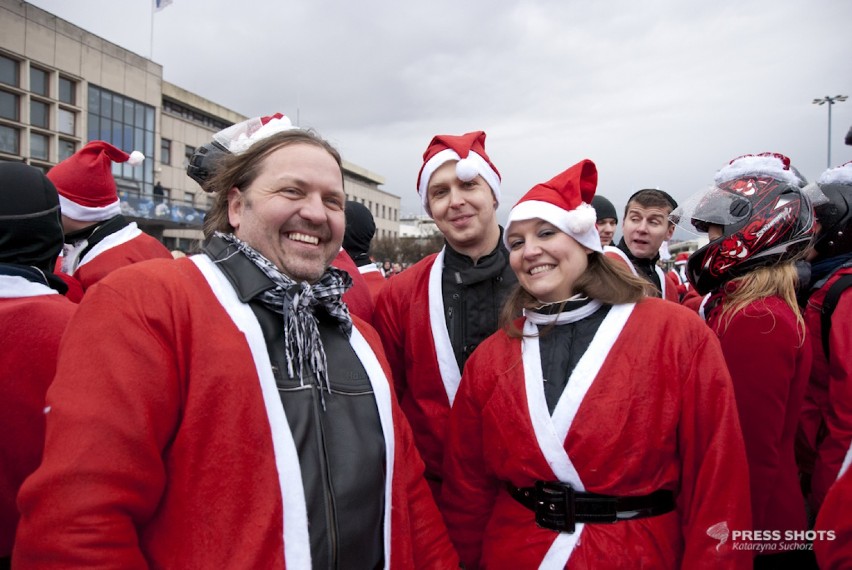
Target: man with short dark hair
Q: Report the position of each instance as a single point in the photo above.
(645, 227)
(232, 413)
(435, 313)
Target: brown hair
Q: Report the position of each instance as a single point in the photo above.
(605, 280)
(241, 170)
(651, 198)
(770, 281)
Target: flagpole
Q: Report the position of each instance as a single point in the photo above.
(151, 45)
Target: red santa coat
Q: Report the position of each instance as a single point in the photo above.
(358, 297)
(32, 320)
(374, 278)
(833, 545)
(124, 247)
(668, 287)
(167, 444)
(826, 422)
(649, 406)
(409, 318)
(769, 361)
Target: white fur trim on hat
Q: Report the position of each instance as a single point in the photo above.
(838, 175)
(466, 170)
(80, 213)
(578, 223)
(757, 166)
(240, 137)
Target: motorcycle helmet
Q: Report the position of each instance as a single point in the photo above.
(761, 216)
(835, 215)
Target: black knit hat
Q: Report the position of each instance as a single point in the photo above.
(360, 229)
(604, 208)
(30, 222)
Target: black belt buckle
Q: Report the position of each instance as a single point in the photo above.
(554, 506)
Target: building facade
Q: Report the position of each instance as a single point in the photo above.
(61, 87)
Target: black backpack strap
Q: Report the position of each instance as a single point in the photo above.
(829, 304)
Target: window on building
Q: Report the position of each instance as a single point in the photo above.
(67, 122)
(67, 91)
(9, 106)
(383, 210)
(129, 125)
(9, 140)
(39, 81)
(188, 151)
(9, 71)
(65, 149)
(166, 151)
(39, 114)
(188, 198)
(39, 146)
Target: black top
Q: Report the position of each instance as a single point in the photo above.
(338, 434)
(645, 267)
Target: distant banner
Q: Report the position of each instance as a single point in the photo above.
(160, 4)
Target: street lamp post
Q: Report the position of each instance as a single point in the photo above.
(831, 101)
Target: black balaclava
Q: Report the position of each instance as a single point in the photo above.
(360, 229)
(30, 222)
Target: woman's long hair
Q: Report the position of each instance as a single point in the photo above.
(604, 280)
(770, 281)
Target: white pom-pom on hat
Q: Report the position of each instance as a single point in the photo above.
(581, 219)
(466, 170)
(136, 158)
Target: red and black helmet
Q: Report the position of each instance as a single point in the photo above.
(765, 219)
(835, 215)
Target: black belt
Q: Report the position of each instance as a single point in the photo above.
(558, 507)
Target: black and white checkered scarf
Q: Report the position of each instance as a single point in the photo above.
(296, 302)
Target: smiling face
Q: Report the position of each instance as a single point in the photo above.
(292, 213)
(546, 260)
(465, 212)
(645, 229)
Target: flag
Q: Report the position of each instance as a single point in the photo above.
(160, 4)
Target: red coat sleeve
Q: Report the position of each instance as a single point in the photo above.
(389, 318)
(112, 412)
(838, 418)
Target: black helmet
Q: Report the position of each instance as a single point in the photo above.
(204, 160)
(765, 215)
(835, 216)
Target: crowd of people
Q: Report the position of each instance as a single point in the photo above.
(534, 395)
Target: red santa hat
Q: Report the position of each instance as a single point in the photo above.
(469, 150)
(681, 258)
(87, 190)
(564, 201)
(765, 164)
(240, 137)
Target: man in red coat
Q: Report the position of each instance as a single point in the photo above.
(33, 316)
(645, 227)
(232, 413)
(434, 314)
(98, 240)
(833, 542)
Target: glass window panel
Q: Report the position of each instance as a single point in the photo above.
(94, 100)
(117, 108)
(149, 145)
(67, 122)
(67, 91)
(39, 81)
(115, 137)
(9, 72)
(92, 133)
(127, 139)
(138, 139)
(39, 146)
(149, 119)
(66, 148)
(166, 151)
(148, 169)
(9, 141)
(39, 114)
(129, 110)
(106, 104)
(105, 133)
(9, 108)
(140, 116)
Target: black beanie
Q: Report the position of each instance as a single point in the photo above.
(30, 222)
(604, 208)
(360, 229)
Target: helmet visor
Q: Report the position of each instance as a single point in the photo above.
(711, 206)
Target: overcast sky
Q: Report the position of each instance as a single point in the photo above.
(659, 93)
